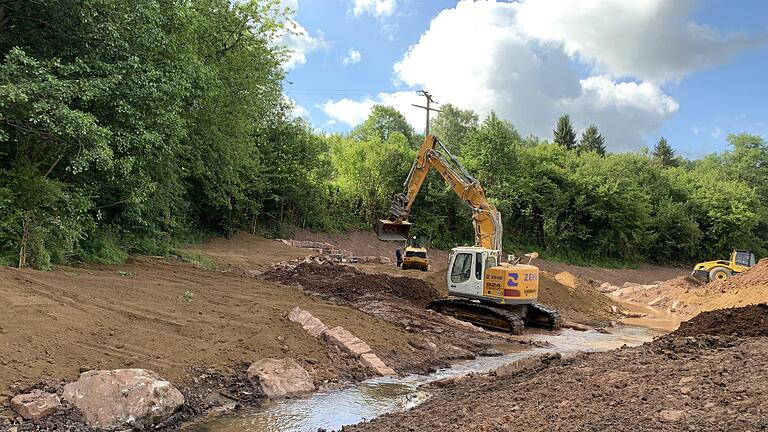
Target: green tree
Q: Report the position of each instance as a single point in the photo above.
(489, 151)
(564, 134)
(381, 122)
(453, 124)
(663, 153)
(368, 173)
(592, 141)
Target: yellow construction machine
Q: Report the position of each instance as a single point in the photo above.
(501, 296)
(721, 270)
(415, 256)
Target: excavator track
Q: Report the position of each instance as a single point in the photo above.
(507, 318)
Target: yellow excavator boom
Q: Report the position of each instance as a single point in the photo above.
(432, 154)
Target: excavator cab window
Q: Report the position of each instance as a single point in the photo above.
(462, 268)
(479, 266)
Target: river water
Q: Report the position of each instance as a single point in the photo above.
(331, 409)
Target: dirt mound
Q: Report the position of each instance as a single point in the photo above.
(757, 275)
(748, 288)
(350, 284)
(680, 283)
(575, 299)
(743, 321)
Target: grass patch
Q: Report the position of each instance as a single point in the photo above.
(196, 259)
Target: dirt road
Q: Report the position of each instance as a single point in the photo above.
(703, 378)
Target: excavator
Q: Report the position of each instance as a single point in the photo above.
(485, 291)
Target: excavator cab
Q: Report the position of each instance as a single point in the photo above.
(388, 230)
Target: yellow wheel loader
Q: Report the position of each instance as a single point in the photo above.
(722, 270)
(415, 256)
(487, 292)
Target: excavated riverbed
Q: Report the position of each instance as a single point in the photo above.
(334, 408)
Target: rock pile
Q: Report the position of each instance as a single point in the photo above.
(329, 252)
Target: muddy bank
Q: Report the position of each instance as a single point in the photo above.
(347, 284)
(676, 383)
(435, 340)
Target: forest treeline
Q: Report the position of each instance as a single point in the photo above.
(139, 126)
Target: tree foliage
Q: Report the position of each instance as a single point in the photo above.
(134, 126)
(381, 123)
(564, 134)
(663, 153)
(592, 141)
(453, 124)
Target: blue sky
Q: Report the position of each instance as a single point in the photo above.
(691, 71)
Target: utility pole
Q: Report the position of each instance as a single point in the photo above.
(428, 108)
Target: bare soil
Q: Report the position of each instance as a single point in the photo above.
(58, 323)
(348, 284)
(676, 383)
(366, 243)
(686, 298)
(576, 300)
(746, 321)
(199, 327)
(642, 274)
(435, 340)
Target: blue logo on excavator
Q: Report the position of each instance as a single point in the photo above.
(512, 282)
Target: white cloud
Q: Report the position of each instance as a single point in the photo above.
(524, 80)
(353, 56)
(300, 43)
(489, 55)
(348, 111)
(354, 112)
(648, 39)
(377, 8)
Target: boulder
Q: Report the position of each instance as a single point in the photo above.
(374, 363)
(118, 398)
(280, 378)
(312, 325)
(345, 340)
(35, 404)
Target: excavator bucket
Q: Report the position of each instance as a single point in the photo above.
(388, 230)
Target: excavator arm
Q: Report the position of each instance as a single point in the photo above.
(432, 154)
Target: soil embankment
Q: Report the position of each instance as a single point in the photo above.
(707, 376)
(687, 298)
